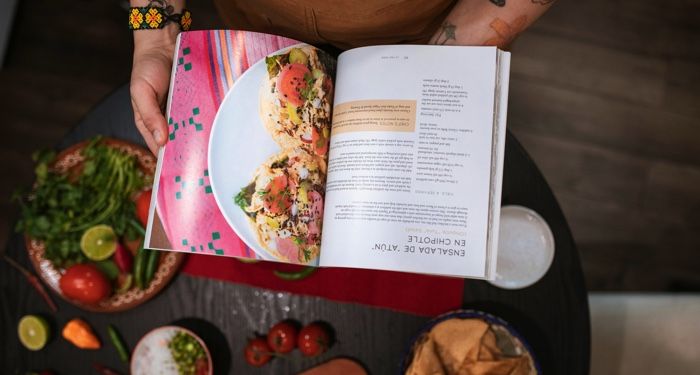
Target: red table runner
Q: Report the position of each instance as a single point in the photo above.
(405, 292)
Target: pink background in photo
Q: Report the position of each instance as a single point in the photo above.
(207, 65)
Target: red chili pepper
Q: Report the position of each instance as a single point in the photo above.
(33, 281)
(123, 259)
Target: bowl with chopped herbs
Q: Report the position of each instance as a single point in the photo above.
(171, 350)
(84, 219)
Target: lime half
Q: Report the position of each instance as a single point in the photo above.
(99, 242)
(33, 332)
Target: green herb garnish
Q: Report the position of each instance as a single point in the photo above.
(280, 163)
(309, 92)
(307, 254)
(274, 64)
(186, 352)
(244, 197)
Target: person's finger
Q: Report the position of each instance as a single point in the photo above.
(146, 102)
(145, 133)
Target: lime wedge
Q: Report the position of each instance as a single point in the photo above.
(99, 242)
(33, 332)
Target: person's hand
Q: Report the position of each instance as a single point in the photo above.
(150, 79)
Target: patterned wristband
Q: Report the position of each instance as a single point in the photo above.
(148, 18)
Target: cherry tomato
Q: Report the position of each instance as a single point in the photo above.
(143, 202)
(201, 366)
(85, 283)
(313, 339)
(282, 337)
(257, 352)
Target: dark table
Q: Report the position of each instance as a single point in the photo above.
(552, 314)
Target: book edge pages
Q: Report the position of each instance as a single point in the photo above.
(498, 151)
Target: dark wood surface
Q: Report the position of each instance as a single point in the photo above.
(605, 96)
(552, 314)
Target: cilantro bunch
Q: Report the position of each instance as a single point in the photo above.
(63, 205)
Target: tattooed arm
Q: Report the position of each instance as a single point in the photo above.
(150, 74)
(488, 22)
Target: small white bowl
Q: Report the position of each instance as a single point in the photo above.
(525, 248)
(152, 355)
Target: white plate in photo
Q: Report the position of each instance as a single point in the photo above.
(238, 145)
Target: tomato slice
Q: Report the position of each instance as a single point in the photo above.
(290, 82)
(277, 199)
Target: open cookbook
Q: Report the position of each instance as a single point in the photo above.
(388, 157)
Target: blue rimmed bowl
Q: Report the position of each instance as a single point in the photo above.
(515, 344)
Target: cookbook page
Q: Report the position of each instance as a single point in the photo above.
(409, 174)
(243, 172)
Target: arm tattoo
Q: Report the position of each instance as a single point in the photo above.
(447, 33)
(506, 31)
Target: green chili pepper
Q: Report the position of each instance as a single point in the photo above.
(299, 275)
(140, 266)
(136, 225)
(118, 343)
(151, 266)
(109, 268)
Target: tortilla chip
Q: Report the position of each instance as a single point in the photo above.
(458, 341)
(425, 359)
(465, 347)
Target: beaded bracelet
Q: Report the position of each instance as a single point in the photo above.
(148, 18)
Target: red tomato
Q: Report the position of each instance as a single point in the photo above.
(85, 283)
(290, 82)
(201, 366)
(143, 201)
(313, 340)
(123, 258)
(257, 352)
(282, 337)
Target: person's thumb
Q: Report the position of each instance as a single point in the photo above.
(146, 102)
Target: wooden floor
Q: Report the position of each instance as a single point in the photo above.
(605, 95)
